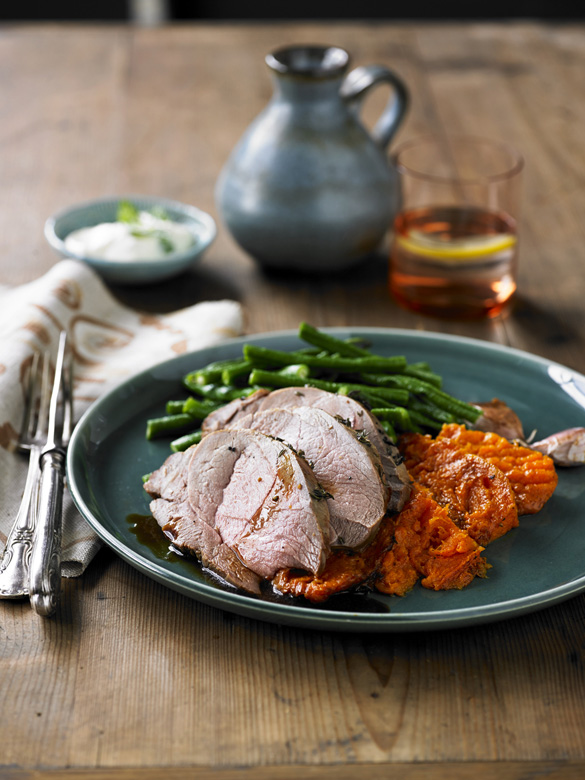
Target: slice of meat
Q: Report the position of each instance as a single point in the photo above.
(170, 480)
(532, 474)
(349, 471)
(479, 496)
(343, 571)
(358, 417)
(429, 545)
(190, 534)
(256, 493)
(498, 418)
(223, 416)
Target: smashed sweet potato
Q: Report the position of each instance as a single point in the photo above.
(429, 544)
(531, 474)
(477, 494)
(421, 541)
(345, 569)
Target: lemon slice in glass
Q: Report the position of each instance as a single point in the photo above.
(456, 250)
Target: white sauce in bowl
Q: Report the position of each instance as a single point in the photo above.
(147, 238)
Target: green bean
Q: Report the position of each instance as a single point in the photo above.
(174, 407)
(198, 409)
(219, 393)
(234, 371)
(300, 371)
(397, 415)
(364, 396)
(260, 376)
(211, 372)
(275, 379)
(424, 421)
(411, 369)
(389, 395)
(443, 400)
(424, 374)
(158, 426)
(431, 410)
(389, 430)
(331, 362)
(454, 406)
(359, 341)
(423, 365)
(184, 442)
(388, 380)
(329, 343)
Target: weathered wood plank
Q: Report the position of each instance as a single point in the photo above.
(134, 674)
(501, 770)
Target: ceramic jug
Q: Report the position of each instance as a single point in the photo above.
(308, 187)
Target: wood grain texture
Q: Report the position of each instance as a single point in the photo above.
(131, 678)
(503, 770)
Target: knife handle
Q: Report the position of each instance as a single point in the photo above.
(45, 562)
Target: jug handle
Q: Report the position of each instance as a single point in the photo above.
(360, 80)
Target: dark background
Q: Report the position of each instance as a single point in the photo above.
(218, 10)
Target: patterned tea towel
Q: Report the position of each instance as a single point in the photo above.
(110, 343)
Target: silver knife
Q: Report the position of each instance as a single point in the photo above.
(45, 562)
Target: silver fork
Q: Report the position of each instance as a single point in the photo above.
(14, 565)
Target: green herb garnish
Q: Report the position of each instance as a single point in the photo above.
(319, 494)
(159, 212)
(127, 212)
(165, 242)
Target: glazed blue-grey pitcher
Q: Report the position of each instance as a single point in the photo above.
(308, 187)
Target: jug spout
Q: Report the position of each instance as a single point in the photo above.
(308, 74)
(310, 62)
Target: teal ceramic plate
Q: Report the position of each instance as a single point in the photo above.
(534, 566)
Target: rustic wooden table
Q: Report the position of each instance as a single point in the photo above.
(133, 680)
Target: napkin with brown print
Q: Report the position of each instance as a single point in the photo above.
(110, 343)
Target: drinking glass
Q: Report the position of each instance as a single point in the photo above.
(455, 245)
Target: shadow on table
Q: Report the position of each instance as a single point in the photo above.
(544, 326)
(372, 270)
(201, 284)
(222, 280)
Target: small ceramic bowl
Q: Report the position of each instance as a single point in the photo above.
(94, 212)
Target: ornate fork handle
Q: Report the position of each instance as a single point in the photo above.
(45, 563)
(14, 566)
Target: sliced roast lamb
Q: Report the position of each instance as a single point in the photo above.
(259, 498)
(222, 417)
(358, 417)
(349, 471)
(192, 535)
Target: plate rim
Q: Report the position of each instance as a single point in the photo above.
(309, 617)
